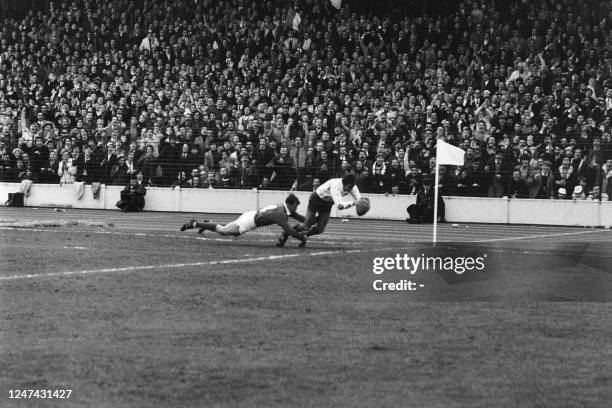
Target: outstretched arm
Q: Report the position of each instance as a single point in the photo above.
(298, 216)
(290, 231)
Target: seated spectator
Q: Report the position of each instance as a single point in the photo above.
(195, 182)
(579, 193)
(210, 181)
(181, 181)
(597, 195)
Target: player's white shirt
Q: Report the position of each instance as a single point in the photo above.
(332, 189)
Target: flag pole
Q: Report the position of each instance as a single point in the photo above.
(435, 220)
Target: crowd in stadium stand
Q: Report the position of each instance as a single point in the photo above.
(235, 94)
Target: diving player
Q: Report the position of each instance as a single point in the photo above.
(273, 214)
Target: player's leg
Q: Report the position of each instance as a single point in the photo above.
(244, 223)
(231, 228)
(206, 224)
(309, 219)
(319, 226)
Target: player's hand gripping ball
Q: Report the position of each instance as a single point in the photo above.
(363, 206)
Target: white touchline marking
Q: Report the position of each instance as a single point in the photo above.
(178, 265)
(322, 253)
(143, 267)
(74, 247)
(539, 236)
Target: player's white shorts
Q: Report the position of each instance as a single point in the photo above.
(246, 222)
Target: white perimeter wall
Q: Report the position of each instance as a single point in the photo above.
(458, 209)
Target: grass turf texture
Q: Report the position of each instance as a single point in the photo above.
(301, 332)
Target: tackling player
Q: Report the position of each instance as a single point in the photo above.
(273, 214)
(333, 191)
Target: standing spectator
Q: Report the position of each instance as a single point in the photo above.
(39, 155)
(66, 171)
(543, 184)
(497, 173)
(378, 175)
(517, 187)
(146, 165)
(244, 175)
(49, 172)
(283, 169)
(119, 173)
(169, 158)
(565, 175)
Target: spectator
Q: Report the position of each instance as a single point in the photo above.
(119, 175)
(489, 79)
(132, 196)
(169, 159)
(517, 187)
(423, 210)
(497, 174)
(66, 171)
(49, 170)
(244, 176)
(565, 175)
(225, 179)
(146, 165)
(597, 195)
(543, 184)
(210, 181)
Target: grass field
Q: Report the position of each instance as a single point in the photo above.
(138, 314)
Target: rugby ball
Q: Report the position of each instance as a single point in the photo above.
(363, 206)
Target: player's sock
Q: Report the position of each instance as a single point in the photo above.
(189, 225)
(206, 225)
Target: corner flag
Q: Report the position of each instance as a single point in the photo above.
(445, 154)
(449, 154)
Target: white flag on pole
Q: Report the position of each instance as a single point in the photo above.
(449, 154)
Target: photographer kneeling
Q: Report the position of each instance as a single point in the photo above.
(132, 196)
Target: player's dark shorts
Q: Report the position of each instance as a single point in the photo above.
(317, 205)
